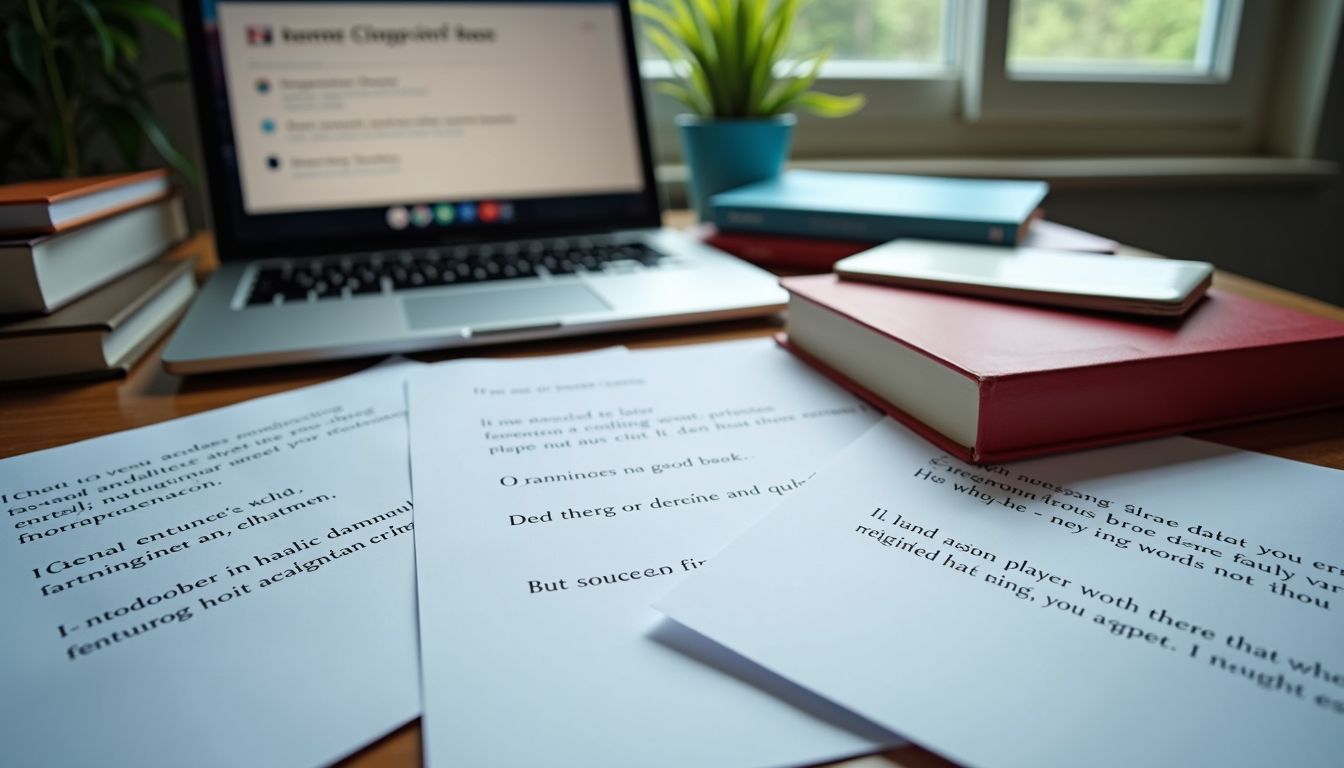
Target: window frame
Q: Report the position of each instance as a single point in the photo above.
(1227, 95)
(975, 106)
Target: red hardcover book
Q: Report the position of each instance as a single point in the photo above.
(989, 381)
(784, 251)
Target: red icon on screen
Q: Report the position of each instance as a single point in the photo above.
(488, 211)
(259, 34)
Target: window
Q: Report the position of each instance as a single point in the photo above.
(901, 32)
(1035, 77)
(1100, 38)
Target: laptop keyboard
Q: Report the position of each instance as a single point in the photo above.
(337, 277)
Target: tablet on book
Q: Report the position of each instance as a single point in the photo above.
(1130, 285)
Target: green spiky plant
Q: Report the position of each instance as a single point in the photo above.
(70, 78)
(728, 57)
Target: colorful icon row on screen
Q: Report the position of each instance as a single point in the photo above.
(447, 214)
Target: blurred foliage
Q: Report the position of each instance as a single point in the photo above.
(728, 58)
(1143, 33)
(70, 78)
(900, 30)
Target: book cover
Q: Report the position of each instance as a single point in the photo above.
(991, 381)
(879, 207)
(43, 273)
(54, 205)
(104, 332)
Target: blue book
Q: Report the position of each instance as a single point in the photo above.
(878, 207)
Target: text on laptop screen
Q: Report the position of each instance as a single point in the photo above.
(423, 115)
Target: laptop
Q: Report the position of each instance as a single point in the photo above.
(391, 177)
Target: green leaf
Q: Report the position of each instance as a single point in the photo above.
(774, 37)
(127, 45)
(666, 44)
(124, 131)
(699, 84)
(687, 96)
(830, 105)
(698, 95)
(725, 76)
(794, 84)
(144, 11)
(700, 45)
(105, 44)
(753, 24)
(24, 52)
(708, 14)
(657, 15)
(149, 125)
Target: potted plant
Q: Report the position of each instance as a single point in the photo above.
(728, 59)
(71, 87)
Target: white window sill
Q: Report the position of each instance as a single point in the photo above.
(1082, 173)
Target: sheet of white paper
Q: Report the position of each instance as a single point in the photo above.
(1171, 602)
(231, 588)
(556, 498)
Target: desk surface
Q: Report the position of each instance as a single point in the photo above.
(42, 417)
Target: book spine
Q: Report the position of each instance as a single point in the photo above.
(875, 228)
(20, 290)
(786, 252)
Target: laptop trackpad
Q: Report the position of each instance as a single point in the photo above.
(475, 308)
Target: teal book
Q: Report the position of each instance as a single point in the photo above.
(877, 207)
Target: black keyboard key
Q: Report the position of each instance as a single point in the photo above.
(293, 292)
(368, 274)
(357, 287)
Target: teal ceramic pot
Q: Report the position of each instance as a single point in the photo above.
(722, 154)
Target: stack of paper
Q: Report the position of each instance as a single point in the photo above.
(232, 588)
(241, 587)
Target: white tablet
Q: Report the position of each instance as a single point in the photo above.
(1127, 284)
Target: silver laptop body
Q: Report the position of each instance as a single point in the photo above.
(325, 256)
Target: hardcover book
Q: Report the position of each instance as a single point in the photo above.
(989, 381)
(103, 333)
(54, 205)
(42, 273)
(879, 207)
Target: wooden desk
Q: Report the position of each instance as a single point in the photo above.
(42, 417)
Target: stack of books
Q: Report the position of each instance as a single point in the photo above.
(990, 380)
(811, 219)
(82, 289)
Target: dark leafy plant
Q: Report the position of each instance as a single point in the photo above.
(729, 58)
(70, 78)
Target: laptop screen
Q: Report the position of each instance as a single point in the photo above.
(337, 125)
